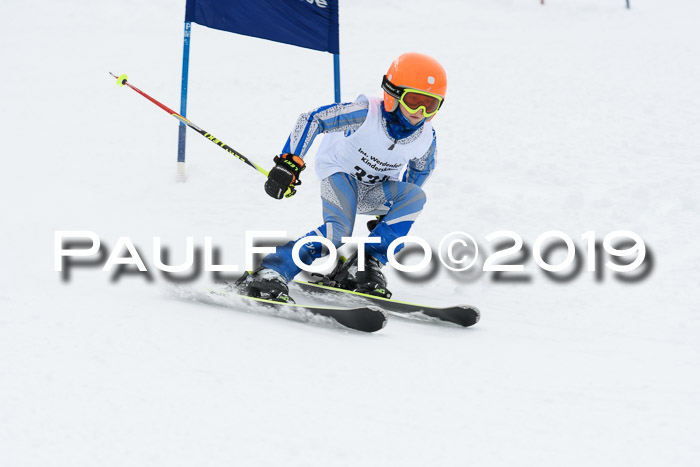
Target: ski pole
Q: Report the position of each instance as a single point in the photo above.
(122, 80)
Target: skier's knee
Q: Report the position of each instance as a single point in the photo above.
(414, 195)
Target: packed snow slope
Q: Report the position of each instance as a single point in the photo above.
(576, 116)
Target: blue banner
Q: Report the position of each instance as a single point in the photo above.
(312, 24)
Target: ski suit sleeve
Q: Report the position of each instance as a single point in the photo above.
(419, 170)
(346, 117)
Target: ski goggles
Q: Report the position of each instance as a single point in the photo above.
(414, 100)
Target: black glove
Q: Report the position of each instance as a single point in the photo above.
(373, 223)
(284, 175)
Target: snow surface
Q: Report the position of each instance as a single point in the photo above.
(576, 116)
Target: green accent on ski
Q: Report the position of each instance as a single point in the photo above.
(359, 294)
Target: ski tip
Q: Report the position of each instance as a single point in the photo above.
(476, 312)
(383, 312)
(364, 319)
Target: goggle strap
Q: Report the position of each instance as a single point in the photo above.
(391, 89)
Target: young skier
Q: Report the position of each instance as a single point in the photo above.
(367, 144)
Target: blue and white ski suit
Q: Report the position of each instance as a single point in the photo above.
(370, 162)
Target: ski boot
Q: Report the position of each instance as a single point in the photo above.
(265, 283)
(343, 276)
(371, 281)
(347, 276)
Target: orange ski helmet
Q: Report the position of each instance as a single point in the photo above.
(416, 71)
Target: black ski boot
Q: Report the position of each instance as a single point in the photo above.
(371, 281)
(265, 283)
(347, 276)
(343, 276)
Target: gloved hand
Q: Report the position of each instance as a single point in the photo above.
(373, 223)
(284, 175)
